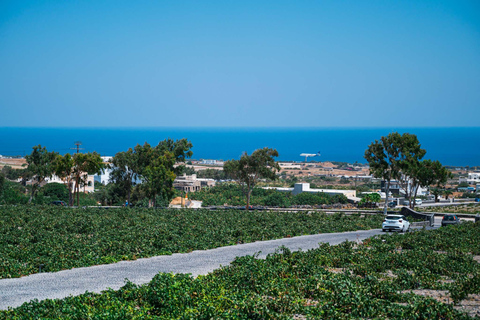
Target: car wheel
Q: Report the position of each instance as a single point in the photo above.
(383, 230)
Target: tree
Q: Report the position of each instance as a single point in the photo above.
(156, 167)
(410, 165)
(370, 199)
(10, 173)
(158, 177)
(64, 167)
(180, 150)
(40, 166)
(2, 184)
(447, 193)
(250, 168)
(396, 157)
(383, 157)
(124, 171)
(432, 173)
(85, 164)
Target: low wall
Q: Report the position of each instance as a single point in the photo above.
(430, 217)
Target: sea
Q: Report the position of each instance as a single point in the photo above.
(451, 146)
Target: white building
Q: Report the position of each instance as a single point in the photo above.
(88, 187)
(212, 162)
(104, 177)
(305, 187)
(473, 178)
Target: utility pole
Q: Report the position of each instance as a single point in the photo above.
(78, 144)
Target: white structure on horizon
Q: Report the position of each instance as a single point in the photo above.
(212, 162)
(305, 187)
(104, 177)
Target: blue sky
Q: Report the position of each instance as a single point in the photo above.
(239, 63)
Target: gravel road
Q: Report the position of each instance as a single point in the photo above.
(14, 292)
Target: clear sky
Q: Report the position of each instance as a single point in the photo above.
(239, 63)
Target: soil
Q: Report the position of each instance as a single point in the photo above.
(14, 163)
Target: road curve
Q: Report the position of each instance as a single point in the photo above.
(14, 292)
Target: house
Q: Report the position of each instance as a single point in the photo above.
(192, 183)
(473, 178)
(397, 190)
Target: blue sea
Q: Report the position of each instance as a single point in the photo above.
(451, 146)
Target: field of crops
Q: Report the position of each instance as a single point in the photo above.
(464, 208)
(56, 238)
(420, 275)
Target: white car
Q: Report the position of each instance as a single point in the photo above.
(395, 222)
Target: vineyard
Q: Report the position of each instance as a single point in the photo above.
(419, 275)
(57, 238)
(464, 208)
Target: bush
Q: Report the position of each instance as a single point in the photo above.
(13, 193)
(54, 191)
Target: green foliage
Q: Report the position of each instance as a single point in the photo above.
(13, 193)
(231, 194)
(2, 184)
(463, 185)
(64, 238)
(189, 171)
(372, 280)
(10, 173)
(251, 168)
(40, 166)
(155, 167)
(212, 174)
(370, 198)
(54, 191)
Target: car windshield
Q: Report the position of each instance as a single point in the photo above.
(449, 218)
(393, 217)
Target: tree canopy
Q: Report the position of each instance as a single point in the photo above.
(399, 157)
(40, 167)
(250, 168)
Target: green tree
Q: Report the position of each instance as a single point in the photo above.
(447, 193)
(432, 173)
(158, 177)
(370, 198)
(396, 157)
(64, 167)
(85, 164)
(2, 184)
(124, 171)
(250, 168)
(40, 166)
(156, 167)
(410, 165)
(384, 158)
(10, 173)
